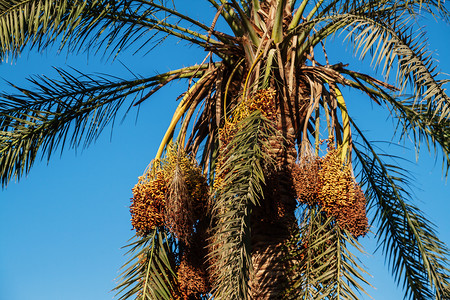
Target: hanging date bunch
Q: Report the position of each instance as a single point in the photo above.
(149, 198)
(193, 273)
(185, 216)
(192, 279)
(172, 193)
(187, 193)
(262, 100)
(328, 182)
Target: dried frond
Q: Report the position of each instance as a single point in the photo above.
(177, 215)
(194, 270)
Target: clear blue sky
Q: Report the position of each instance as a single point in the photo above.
(62, 226)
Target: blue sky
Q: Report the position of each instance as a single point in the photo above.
(62, 227)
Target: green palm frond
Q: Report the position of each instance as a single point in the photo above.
(391, 41)
(325, 268)
(416, 255)
(149, 274)
(95, 24)
(139, 23)
(376, 8)
(417, 125)
(72, 110)
(390, 44)
(352, 271)
(242, 187)
(40, 22)
(230, 16)
(413, 121)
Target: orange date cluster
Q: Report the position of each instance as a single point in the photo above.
(330, 184)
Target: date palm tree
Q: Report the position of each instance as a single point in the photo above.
(246, 198)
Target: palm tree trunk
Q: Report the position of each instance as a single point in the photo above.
(274, 221)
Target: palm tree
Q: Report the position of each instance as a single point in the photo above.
(246, 197)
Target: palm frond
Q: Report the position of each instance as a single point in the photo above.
(417, 125)
(375, 8)
(149, 274)
(413, 121)
(242, 171)
(415, 66)
(72, 110)
(40, 22)
(94, 24)
(229, 15)
(126, 27)
(325, 268)
(391, 42)
(416, 255)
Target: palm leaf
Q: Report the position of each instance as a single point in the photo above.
(414, 64)
(40, 22)
(240, 190)
(417, 125)
(149, 274)
(93, 24)
(70, 111)
(376, 8)
(413, 121)
(416, 255)
(325, 268)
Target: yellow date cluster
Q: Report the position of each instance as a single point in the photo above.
(330, 184)
(148, 203)
(156, 202)
(192, 278)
